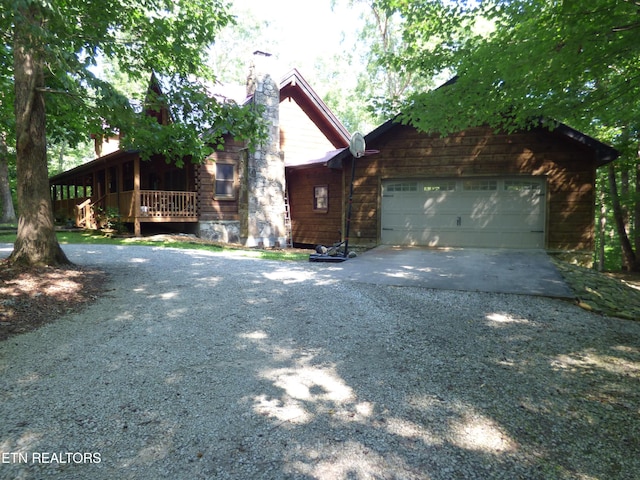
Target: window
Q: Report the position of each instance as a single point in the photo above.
(225, 180)
(480, 185)
(440, 186)
(113, 180)
(521, 186)
(321, 198)
(127, 176)
(403, 187)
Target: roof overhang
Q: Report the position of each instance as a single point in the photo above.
(603, 153)
(314, 162)
(88, 167)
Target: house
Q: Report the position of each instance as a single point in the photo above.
(235, 195)
(476, 188)
(250, 210)
(526, 189)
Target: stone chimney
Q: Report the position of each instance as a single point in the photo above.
(263, 224)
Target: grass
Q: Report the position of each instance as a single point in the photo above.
(96, 238)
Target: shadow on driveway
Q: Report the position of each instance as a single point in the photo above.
(526, 272)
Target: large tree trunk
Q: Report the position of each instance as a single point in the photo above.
(6, 200)
(36, 243)
(629, 259)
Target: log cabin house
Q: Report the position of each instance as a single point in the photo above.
(477, 188)
(234, 196)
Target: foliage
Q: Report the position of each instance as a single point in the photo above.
(346, 93)
(357, 82)
(141, 37)
(381, 35)
(53, 50)
(109, 217)
(517, 60)
(197, 125)
(230, 55)
(62, 156)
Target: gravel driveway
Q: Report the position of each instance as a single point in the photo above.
(197, 365)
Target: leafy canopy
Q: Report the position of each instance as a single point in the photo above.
(576, 61)
(169, 37)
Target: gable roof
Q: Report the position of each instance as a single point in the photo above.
(603, 153)
(293, 85)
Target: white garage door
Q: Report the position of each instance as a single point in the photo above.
(471, 212)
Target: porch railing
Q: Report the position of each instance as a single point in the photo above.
(155, 206)
(85, 215)
(159, 203)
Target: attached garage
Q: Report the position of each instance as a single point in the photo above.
(477, 188)
(471, 212)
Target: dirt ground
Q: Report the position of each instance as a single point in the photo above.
(31, 298)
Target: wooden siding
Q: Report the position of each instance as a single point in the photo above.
(569, 169)
(300, 138)
(209, 208)
(309, 226)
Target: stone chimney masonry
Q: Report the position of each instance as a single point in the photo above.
(263, 224)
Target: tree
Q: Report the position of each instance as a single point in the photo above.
(6, 199)
(36, 242)
(6, 136)
(517, 61)
(56, 49)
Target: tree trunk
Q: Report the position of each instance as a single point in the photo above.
(624, 194)
(6, 200)
(629, 260)
(36, 242)
(602, 226)
(636, 204)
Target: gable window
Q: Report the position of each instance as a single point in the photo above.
(321, 198)
(225, 180)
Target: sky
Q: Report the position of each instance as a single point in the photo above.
(305, 28)
(298, 32)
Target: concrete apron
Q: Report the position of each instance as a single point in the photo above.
(526, 272)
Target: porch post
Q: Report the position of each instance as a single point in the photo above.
(136, 196)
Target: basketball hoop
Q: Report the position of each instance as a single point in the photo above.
(369, 152)
(357, 145)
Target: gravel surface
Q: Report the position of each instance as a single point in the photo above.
(198, 365)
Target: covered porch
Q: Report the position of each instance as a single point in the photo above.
(121, 185)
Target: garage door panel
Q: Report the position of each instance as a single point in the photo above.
(466, 212)
(416, 221)
(463, 238)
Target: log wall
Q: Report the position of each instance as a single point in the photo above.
(309, 226)
(210, 208)
(569, 169)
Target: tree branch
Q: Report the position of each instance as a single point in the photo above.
(626, 28)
